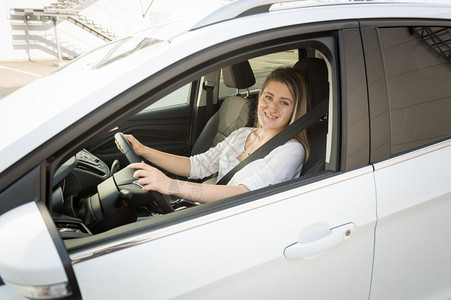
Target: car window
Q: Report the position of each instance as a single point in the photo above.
(418, 76)
(179, 96)
(262, 66)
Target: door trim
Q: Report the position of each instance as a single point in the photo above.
(411, 155)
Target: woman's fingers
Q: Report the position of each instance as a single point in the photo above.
(149, 178)
(139, 166)
(133, 142)
(131, 139)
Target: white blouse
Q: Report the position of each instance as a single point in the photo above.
(281, 164)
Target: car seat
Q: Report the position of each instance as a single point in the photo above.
(315, 74)
(234, 112)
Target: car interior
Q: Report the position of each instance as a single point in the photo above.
(94, 193)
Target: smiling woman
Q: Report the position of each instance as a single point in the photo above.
(284, 93)
(283, 99)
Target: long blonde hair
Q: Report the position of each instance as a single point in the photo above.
(297, 86)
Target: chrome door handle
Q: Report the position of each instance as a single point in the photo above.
(336, 236)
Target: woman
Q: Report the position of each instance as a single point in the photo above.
(282, 100)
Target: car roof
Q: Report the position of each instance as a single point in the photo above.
(244, 8)
(41, 110)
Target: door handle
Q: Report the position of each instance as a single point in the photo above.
(336, 236)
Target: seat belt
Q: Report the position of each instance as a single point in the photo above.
(209, 86)
(281, 138)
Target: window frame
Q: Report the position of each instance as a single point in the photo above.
(206, 209)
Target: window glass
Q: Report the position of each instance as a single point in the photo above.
(418, 82)
(113, 52)
(261, 67)
(179, 96)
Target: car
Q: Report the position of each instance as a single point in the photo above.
(369, 217)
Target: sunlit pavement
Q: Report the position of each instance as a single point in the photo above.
(16, 74)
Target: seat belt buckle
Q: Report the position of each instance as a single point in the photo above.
(208, 85)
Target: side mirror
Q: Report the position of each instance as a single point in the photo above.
(29, 261)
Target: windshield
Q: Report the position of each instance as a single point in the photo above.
(112, 52)
(153, 37)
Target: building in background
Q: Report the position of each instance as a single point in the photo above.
(37, 36)
(64, 29)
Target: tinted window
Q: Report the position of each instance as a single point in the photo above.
(418, 72)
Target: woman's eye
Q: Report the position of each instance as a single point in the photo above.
(285, 103)
(268, 97)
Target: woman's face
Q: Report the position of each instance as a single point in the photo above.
(275, 106)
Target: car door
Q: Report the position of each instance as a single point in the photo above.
(410, 101)
(253, 250)
(310, 239)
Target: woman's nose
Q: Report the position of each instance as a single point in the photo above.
(272, 106)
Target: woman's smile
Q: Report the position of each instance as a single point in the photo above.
(275, 106)
(270, 116)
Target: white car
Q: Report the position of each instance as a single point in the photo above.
(369, 218)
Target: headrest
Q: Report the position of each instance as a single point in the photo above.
(315, 75)
(239, 76)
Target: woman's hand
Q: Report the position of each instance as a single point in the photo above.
(137, 147)
(150, 178)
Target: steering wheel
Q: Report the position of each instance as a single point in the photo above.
(126, 148)
(158, 199)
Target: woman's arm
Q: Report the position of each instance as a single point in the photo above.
(204, 193)
(175, 164)
(152, 179)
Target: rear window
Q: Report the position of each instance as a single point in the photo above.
(417, 66)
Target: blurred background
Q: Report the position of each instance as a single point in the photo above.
(38, 36)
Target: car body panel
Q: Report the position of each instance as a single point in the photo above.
(214, 255)
(412, 257)
(7, 293)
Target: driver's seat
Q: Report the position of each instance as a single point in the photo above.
(234, 112)
(315, 74)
